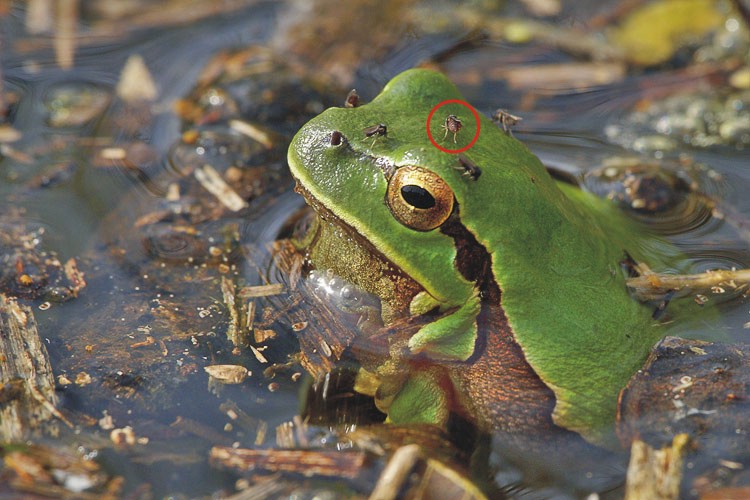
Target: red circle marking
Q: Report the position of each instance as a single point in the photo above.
(476, 118)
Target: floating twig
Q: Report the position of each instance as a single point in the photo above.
(212, 181)
(653, 286)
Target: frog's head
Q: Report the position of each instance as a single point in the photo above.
(393, 187)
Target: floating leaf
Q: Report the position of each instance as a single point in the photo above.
(651, 34)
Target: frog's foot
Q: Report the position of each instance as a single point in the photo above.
(452, 337)
(408, 393)
(423, 398)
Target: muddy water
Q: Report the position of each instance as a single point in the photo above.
(143, 278)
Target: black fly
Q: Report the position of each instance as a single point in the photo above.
(469, 168)
(379, 130)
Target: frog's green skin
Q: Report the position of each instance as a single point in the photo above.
(525, 273)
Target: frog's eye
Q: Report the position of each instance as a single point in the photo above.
(419, 199)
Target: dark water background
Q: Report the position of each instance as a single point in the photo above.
(566, 129)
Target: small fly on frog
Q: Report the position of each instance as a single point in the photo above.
(506, 120)
(352, 99)
(453, 125)
(469, 168)
(379, 130)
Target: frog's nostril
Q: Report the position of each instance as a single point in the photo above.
(337, 138)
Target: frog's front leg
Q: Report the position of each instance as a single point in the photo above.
(426, 392)
(452, 337)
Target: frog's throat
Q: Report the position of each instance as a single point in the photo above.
(380, 277)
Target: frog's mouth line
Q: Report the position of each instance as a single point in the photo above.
(408, 286)
(473, 260)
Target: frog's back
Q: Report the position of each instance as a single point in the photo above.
(556, 255)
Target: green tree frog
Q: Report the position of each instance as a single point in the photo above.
(512, 282)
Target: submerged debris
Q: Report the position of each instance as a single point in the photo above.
(656, 474)
(332, 463)
(212, 181)
(699, 389)
(75, 105)
(228, 374)
(46, 472)
(696, 118)
(27, 384)
(136, 83)
(28, 271)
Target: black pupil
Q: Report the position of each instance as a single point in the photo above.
(417, 197)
